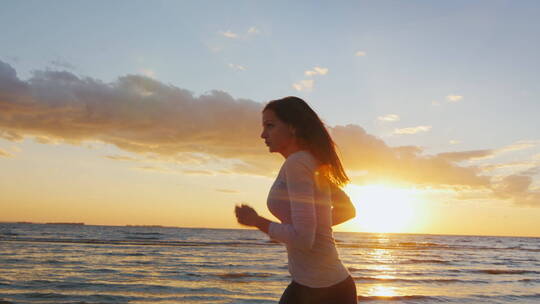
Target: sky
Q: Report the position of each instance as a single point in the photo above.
(149, 112)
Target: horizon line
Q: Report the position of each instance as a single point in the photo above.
(240, 228)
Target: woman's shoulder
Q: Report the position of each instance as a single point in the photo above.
(302, 157)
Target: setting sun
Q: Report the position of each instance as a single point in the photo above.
(382, 208)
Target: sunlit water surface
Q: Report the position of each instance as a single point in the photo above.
(104, 264)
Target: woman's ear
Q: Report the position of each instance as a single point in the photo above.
(292, 130)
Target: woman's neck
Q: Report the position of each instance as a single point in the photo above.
(290, 150)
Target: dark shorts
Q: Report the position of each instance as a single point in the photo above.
(343, 292)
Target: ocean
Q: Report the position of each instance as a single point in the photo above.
(55, 263)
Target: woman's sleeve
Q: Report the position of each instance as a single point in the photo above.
(301, 188)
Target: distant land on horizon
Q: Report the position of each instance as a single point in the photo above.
(161, 226)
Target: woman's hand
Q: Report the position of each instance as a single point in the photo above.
(246, 215)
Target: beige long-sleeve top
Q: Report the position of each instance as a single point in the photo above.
(304, 208)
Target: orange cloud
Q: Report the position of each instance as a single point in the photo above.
(121, 158)
(362, 151)
(11, 136)
(466, 155)
(154, 169)
(517, 188)
(198, 172)
(227, 191)
(164, 123)
(5, 153)
(135, 113)
(511, 165)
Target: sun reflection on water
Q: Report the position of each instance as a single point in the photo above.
(382, 291)
(383, 269)
(383, 258)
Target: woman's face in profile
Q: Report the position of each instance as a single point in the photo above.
(277, 135)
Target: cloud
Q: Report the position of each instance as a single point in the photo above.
(413, 130)
(486, 154)
(236, 67)
(148, 73)
(5, 153)
(316, 71)
(11, 136)
(474, 195)
(454, 98)
(454, 142)
(532, 171)
(229, 34)
(304, 85)
(15, 59)
(192, 159)
(121, 158)
(360, 54)
(531, 165)
(517, 188)
(466, 155)
(227, 191)
(364, 152)
(515, 184)
(162, 123)
(520, 145)
(62, 64)
(307, 84)
(198, 172)
(253, 31)
(46, 140)
(134, 113)
(389, 117)
(154, 169)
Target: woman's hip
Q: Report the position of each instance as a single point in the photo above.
(343, 292)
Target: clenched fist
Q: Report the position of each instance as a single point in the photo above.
(246, 215)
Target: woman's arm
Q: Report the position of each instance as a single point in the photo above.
(342, 206)
(262, 224)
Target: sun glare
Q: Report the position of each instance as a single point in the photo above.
(382, 208)
(383, 291)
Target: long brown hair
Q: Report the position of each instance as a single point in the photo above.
(312, 134)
